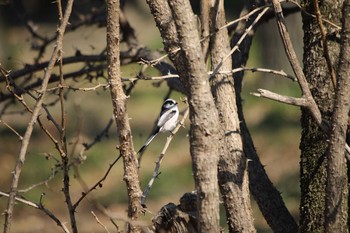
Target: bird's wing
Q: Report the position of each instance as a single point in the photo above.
(164, 117)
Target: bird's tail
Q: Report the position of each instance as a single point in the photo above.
(142, 149)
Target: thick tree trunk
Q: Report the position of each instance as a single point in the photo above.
(177, 26)
(314, 142)
(233, 179)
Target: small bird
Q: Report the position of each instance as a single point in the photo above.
(166, 122)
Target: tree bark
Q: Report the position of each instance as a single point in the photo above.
(126, 147)
(336, 214)
(177, 26)
(266, 195)
(233, 179)
(314, 142)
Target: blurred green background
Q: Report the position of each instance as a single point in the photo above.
(275, 127)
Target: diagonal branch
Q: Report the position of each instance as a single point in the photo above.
(40, 207)
(297, 69)
(311, 106)
(324, 43)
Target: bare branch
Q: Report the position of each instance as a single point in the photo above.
(99, 222)
(268, 198)
(46, 181)
(97, 184)
(40, 207)
(119, 98)
(302, 102)
(290, 52)
(226, 72)
(324, 43)
(256, 20)
(12, 129)
(314, 16)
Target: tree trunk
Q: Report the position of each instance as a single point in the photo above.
(233, 179)
(177, 26)
(336, 186)
(314, 142)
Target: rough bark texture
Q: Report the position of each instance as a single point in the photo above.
(266, 195)
(313, 141)
(336, 186)
(126, 147)
(232, 162)
(179, 29)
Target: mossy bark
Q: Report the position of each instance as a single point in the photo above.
(314, 141)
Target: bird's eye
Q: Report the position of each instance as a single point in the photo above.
(169, 103)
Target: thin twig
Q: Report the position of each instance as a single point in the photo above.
(12, 129)
(99, 222)
(314, 16)
(103, 133)
(160, 158)
(244, 17)
(256, 69)
(94, 88)
(62, 134)
(46, 181)
(40, 207)
(98, 183)
(324, 43)
(236, 70)
(256, 20)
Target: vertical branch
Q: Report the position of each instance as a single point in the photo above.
(119, 98)
(324, 43)
(336, 184)
(63, 142)
(38, 105)
(232, 162)
(204, 18)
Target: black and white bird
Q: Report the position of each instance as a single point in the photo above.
(166, 122)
